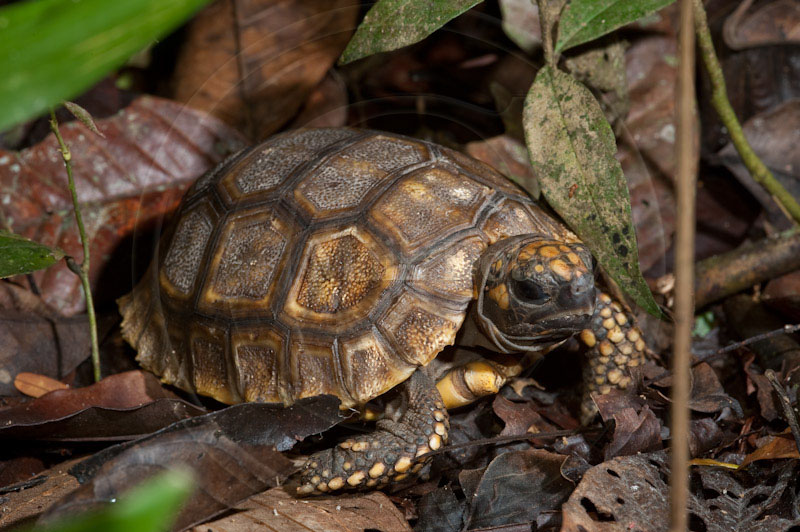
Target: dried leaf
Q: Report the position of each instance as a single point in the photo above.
(44, 343)
(276, 510)
(630, 493)
(517, 487)
(509, 157)
(585, 20)
(775, 22)
(154, 149)
(392, 24)
(441, 511)
(234, 453)
(20, 255)
(36, 385)
(119, 407)
(774, 136)
(326, 106)
(84, 117)
(779, 446)
(521, 23)
(634, 432)
(572, 151)
(253, 63)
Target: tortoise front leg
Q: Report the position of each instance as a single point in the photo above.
(614, 345)
(391, 453)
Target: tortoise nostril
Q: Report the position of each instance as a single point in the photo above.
(581, 285)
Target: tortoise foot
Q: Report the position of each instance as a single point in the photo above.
(615, 347)
(392, 453)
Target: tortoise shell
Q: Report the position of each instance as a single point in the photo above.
(323, 261)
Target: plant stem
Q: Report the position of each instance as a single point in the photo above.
(82, 269)
(684, 276)
(719, 99)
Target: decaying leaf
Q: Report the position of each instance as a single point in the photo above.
(234, 453)
(774, 22)
(36, 385)
(35, 339)
(509, 157)
(630, 493)
(275, 510)
(120, 407)
(774, 135)
(517, 487)
(253, 63)
(634, 432)
(392, 24)
(572, 151)
(152, 151)
(778, 446)
(521, 23)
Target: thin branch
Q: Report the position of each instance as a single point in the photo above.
(684, 275)
(82, 269)
(719, 99)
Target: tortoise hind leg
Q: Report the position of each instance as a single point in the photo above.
(391, 453)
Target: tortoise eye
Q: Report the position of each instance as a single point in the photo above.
(530, 292)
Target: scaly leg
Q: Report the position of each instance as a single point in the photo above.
(391, 453)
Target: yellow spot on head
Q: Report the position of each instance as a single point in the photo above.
(563, 248)
(574, 258)
(538, 268)
(500, 295)
(549, 252)
(561, 269)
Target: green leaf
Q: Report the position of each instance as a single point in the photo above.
(52, 50)
(20, 255)
(392, 24)
(586, 20)
(572, 152)
(150, 507)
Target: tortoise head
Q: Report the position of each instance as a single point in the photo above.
(534, 292)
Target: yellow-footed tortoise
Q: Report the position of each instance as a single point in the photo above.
(340, 261)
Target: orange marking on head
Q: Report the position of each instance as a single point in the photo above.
(574, 258)
(549, 252)
(561, 268)
(564, 248)
(538, 268)
(500, 295)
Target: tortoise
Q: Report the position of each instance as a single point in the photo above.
(342, 261)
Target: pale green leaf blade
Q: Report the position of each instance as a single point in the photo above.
(585, 20)
(152, 506)
(52, 50)
(572, 151)
(19, 255)
(392, 24)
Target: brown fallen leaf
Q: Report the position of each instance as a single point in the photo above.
(234, 453)
(779, 446)
(647, 145)
(21, 506)
(509, 157)
(36, 385)
(326, 106)
(630, 493)
(775, 22)
(774, 135)
(516, 488)
(152, 151)
(122, 406)
(275, 510)
(253, 63)
(35, 339)
(634, 432)
(783, 294)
